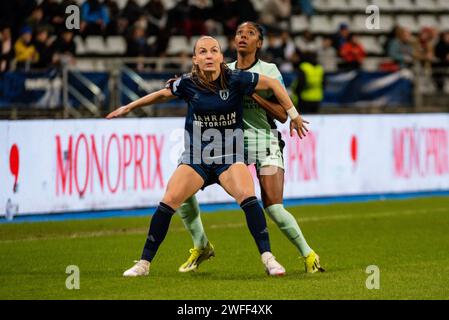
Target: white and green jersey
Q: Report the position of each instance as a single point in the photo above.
(258, 124)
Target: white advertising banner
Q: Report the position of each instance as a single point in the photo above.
(79, 165)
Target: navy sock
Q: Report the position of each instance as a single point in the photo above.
(257, 224)
(158, 230)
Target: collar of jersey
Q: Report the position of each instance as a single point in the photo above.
(254, 63)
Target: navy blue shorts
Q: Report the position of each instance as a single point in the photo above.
(209, 172)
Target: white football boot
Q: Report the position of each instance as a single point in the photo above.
(141, 268)
(272, 267)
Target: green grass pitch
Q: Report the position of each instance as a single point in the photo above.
(407, 239)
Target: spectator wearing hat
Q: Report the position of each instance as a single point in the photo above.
(25, 51)
(340, 38)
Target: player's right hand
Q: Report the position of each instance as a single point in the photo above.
(298, 124)
(120, 112)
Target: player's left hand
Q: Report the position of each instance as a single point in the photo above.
(120, 112)
(298, 124)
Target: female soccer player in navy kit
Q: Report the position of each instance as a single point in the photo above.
(214, 95)
(258, 126)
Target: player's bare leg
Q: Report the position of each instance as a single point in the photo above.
(271, 179)
(183, 184)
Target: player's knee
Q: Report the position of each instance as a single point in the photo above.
(172, 200)
(244, 194)
(269, 200)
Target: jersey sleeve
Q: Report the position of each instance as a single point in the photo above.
(177, 87)
(248, 82)
(276, 74)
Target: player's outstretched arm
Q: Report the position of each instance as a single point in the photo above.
(274, 109)
(297, 123)
(160, 96)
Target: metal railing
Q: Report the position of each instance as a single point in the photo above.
(90, 100)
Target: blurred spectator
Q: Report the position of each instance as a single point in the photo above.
(137, 47)
(65, 47)
(442, 64)
(113, 27)
(54, 13)
(21, 10)
(289, 50)
(7, 16)
(230, 54)
(340, 38)
(425, 48)
(44, 46)
(136, 43)
(306, 7)
(157, 17)
(130, 14)
(327, 56)
(307, 43)
(195, 24)
(276, 13)
(95, 18)
(352, 53)
(307, 89)
(36, 19)
(400, 48)
(274, 52)
(6, 48)
(226, 12)
(25, 51)
(246, 11)
(177, 17)
(442, 49)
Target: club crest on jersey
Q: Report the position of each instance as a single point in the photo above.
(224, 94)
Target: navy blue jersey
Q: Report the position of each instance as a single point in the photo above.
(214, 122)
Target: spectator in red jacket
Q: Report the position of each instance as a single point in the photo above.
(352, 53)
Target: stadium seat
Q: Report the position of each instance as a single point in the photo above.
(427, 20)
(151, 40)
(444, 22)
(178, 44)
(442, 5)
(338, 19)
(425, 5)
(403, 5)
(359, 5)
(258, 4)
(370, 44)
(386, 23)
(321, 24)
(384, 5)
(221, 39)
(321, 5)
(338, 5)
(299, 23)
(80, 47)
(407, 21)
(115, 45)
(193, 40)
(95, 45)
(371, 64)
(299, 42)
